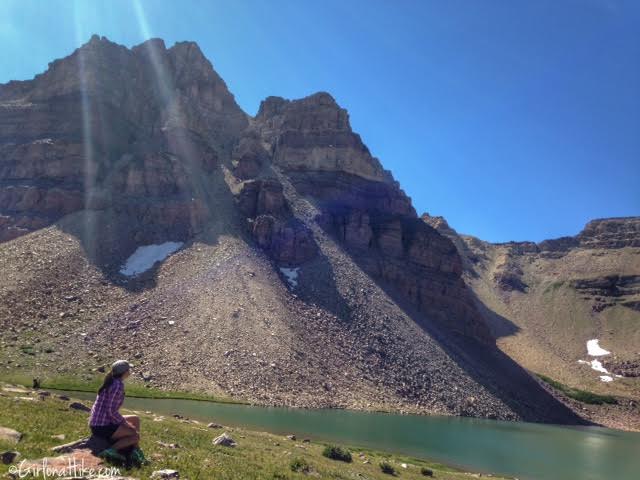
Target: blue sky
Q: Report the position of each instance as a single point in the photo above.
(514, 119)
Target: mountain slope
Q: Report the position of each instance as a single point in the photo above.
(545, 301)
(305, 276)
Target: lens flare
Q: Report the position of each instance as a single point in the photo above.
(174, 124)
(87, 134)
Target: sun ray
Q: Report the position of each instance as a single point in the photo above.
(174, 122)
(87, 134)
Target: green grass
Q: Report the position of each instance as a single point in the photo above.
(257, 456)
(553, 286)
(134, 389)
(577, 394)
(300, 465)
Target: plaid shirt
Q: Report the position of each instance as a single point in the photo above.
(105, 408)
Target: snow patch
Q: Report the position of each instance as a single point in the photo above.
(291, 274)
(146, 256)
(596, 350)
(597, 366)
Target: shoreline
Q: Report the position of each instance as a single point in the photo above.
(142, 391)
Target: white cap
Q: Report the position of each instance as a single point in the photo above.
(120, 366)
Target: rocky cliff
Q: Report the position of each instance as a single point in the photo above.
(132, 134)
(305, 276)
(311, 143)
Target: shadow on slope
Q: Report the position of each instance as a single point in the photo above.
(498, 325)
(489, 366)
(319, 287)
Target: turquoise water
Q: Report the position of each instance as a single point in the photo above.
(525, 450)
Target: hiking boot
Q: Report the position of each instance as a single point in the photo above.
(138, 457)
(112, 455)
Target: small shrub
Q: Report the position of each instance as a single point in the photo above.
(427, 472)
(335, 452)
(279, 476)
(27, 349)
(387, 468)
(299, 465)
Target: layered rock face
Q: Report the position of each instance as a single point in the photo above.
(269, 220)
(611, 233)
(310, 141)
(601, 234)
(132, 134)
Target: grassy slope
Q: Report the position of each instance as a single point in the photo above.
(577, 394)
(258, 455)
(134, 389)
(551, 323)
(555, 320)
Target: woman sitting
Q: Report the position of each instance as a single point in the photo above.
(105, 421)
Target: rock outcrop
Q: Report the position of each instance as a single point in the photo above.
(311, 142)
(131, 134)
(611, 233)
(271, 223)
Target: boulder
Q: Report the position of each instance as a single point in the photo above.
(9, 456)
(224, 440)
(10, 435)
(165, 474)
